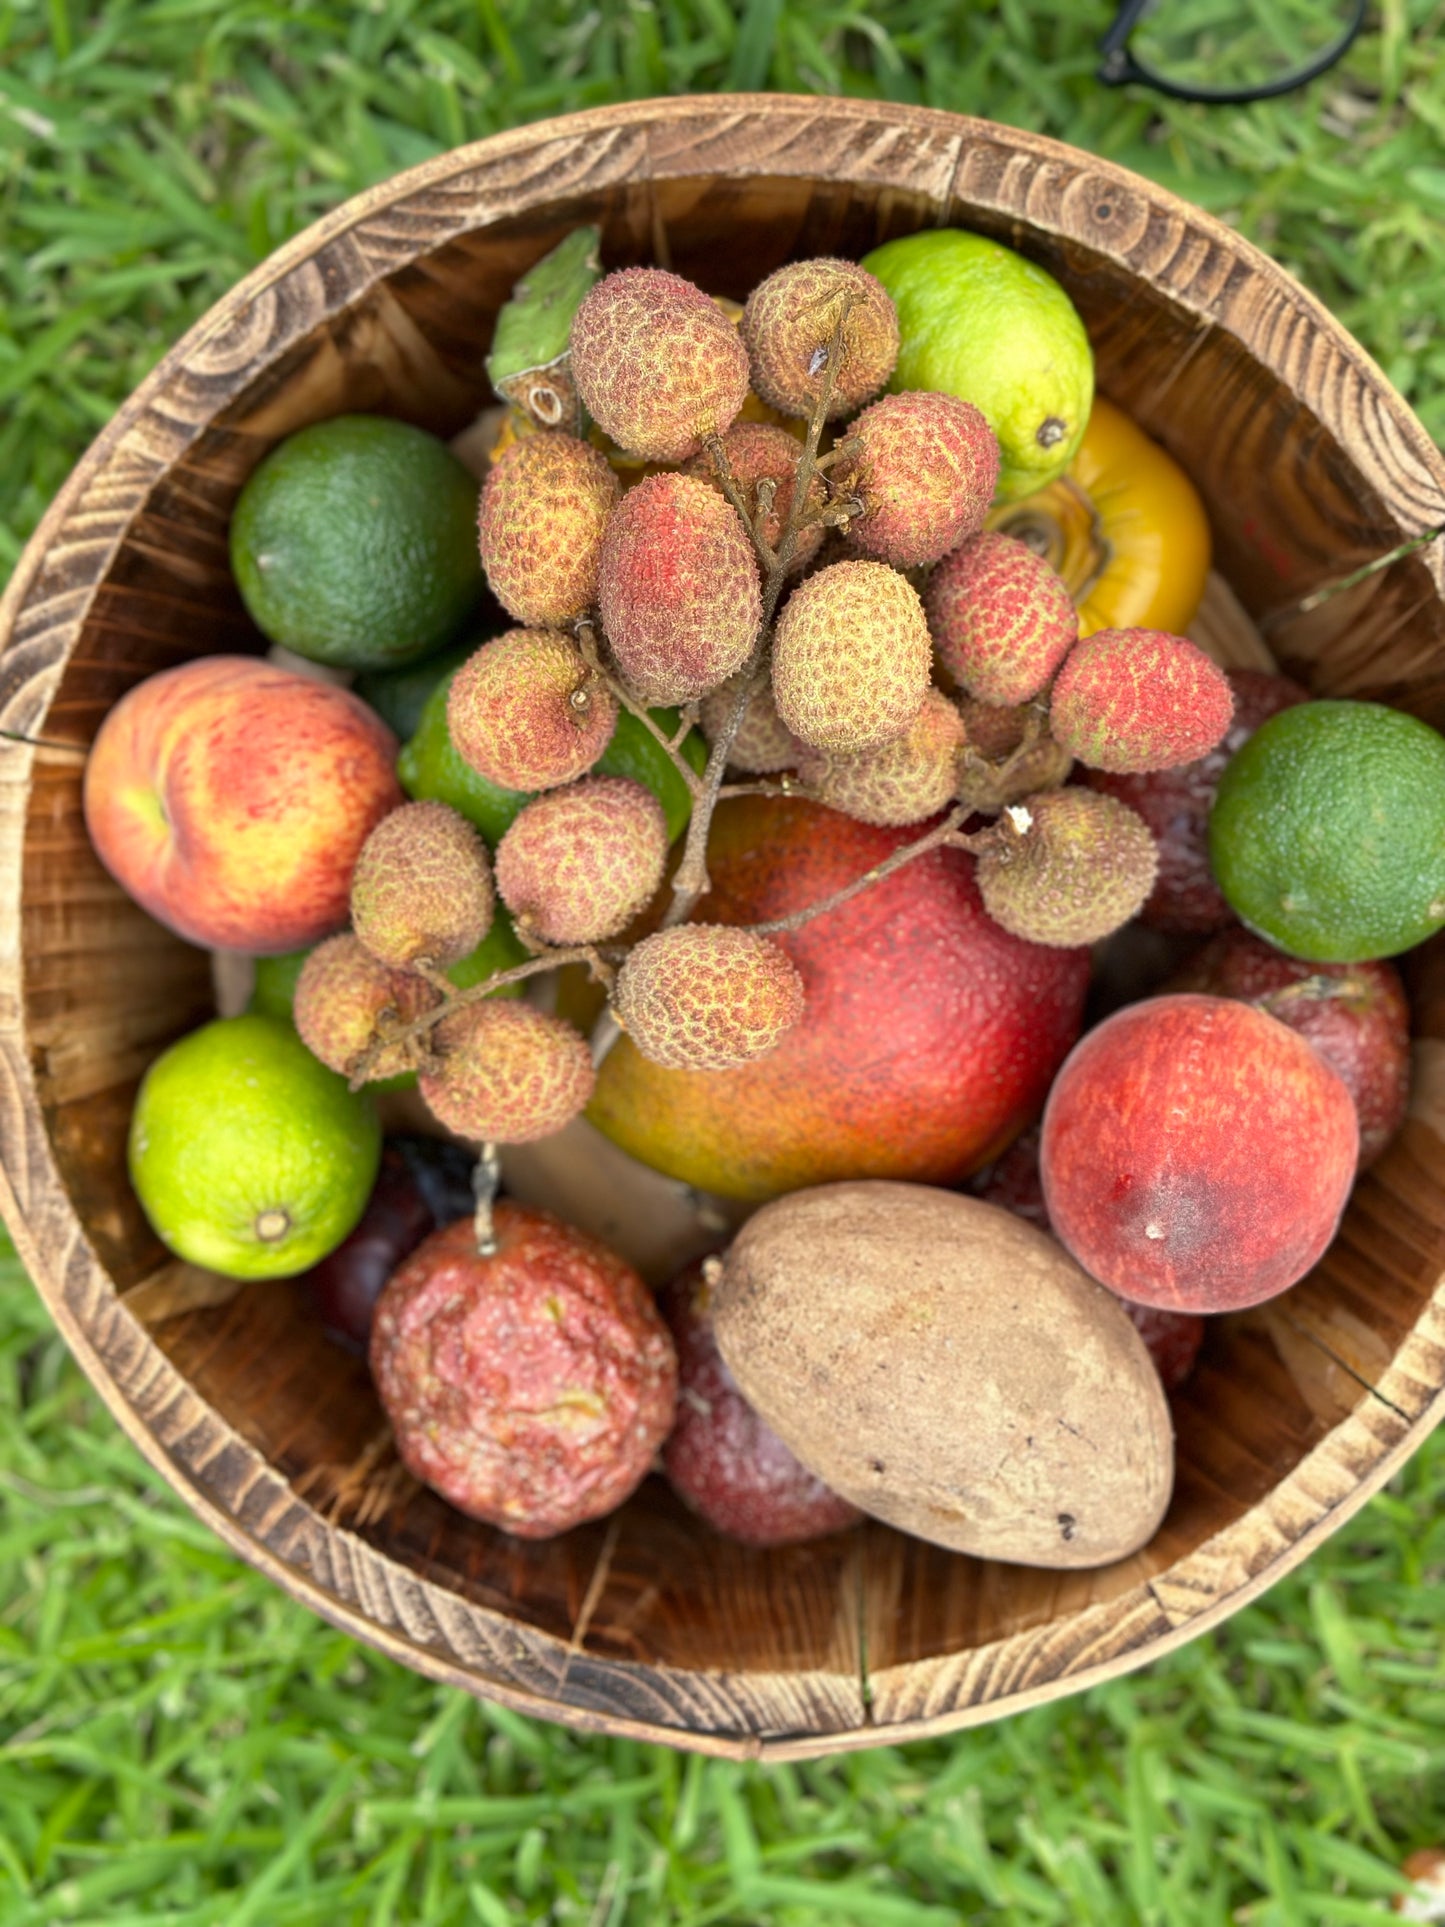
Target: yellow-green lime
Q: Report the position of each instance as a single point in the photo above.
(1327, 834)
(248, 1155)
(980, 322)
(429, 767)
(355, 543)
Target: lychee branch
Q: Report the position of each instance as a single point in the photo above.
(945, 835)
(389, 1036)
(586, 633)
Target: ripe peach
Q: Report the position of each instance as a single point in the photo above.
(231, 799)
(1197, 1154)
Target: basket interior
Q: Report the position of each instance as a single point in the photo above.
(106, 989)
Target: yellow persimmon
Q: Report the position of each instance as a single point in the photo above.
(1124, 527)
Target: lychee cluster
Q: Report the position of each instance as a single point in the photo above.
(822, 595)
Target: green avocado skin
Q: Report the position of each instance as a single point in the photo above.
(355, 543)
(430, 767)
(1327, 835)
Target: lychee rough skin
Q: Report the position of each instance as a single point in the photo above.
(764, 744)
(758, 452)
(526, 713)
(543, 508)
(657, 364)
(788, 326)
(1067, 867)
(851, 657)
(341, 994)
(509, 1073)
(899, 782)
(721, 1457)
(579, 863)
(678, 588)
(1136, 699)
(422, 891)
(1002, 619)
(926, 469)
(530, 1386)
(707, 998)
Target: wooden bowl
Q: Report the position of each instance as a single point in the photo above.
(647, 1625)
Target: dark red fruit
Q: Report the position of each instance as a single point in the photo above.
(422, 1182)
(1171, 1338)
(532, 1385)
(1355, 1015)
(1175, 803)
(721, 1459)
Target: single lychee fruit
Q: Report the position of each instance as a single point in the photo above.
(578, 864)
(1175, 803)
(764, 744)
(542, 513)
(1137, 699)
(1060, 869)
(507, 1073)
(925, 468)
(851, 655)
(899, 782)
(789, 324)
(527, 713)
(678, 588)
(422, 891)
(707, 998)
(658, 365)
(1002, 619)
(344, 997)
(764, 452)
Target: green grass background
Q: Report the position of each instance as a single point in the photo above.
(181, 1743)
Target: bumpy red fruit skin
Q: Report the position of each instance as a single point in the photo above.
(578, 864)
(1175, 803)
(422, 888)
(530, 1388)
(678, 588)
(1137, 699)
(341, 992)
(763, 744)
(1002, 619)
(721, 1458)
(926, 471)
(540, 525)
(1196, 1154)
(928, 1040)
(705, 998)
(1355, 1015)
(904, 781)
(511, 713)
(851, 655)
(789, 323)
(509, 1073)
(1171, 1338)
(657, 363)
(761, 451)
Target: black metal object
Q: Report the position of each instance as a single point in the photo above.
(1118, 66)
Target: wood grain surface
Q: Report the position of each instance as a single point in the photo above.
(1311, 468)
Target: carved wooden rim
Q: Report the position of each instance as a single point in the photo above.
(960, 164)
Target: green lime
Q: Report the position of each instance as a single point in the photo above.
(980, 322)
(355, 543)
(400, 695)
(247, 1155)
(429, 767)
(1328, 832)
(273, 993)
